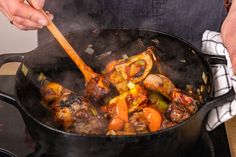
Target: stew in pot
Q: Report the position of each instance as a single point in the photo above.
(145, 101)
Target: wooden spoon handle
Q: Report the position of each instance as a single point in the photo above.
(86, 70)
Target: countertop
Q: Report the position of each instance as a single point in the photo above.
(10, 69)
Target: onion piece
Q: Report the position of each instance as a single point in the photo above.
(131, 85)
(42, 77)
(103, 55)
(204, 77)
(89, 51)
(125, 56)
(183, 61)
(24, 70)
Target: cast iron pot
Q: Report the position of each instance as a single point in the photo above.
(180, 61)
(6, 153)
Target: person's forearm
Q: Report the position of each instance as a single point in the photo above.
(232, 19)
(228, 31)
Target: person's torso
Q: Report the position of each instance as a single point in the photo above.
(187, 19)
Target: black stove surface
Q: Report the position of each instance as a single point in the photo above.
(14, 137)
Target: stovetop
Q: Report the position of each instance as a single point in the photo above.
(14, 137)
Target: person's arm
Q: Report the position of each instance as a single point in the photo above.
(228, 31)
(22, 15)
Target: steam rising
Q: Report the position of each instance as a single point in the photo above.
(73, 15)
(68, 18)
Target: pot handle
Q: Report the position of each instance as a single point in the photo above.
(7, 58)
(227, 97)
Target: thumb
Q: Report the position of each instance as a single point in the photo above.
(37, 4)
(40, 3)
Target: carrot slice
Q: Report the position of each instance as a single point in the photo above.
(153, 117)
(122, 110)
(116, 124)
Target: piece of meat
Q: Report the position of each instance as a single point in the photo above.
(177, 113)
(160, 84)
(128, 130)
(139, 122)
(76, 114)
(90, 125)
(50, 92)
(164, 86)
(137, 67)
(192, 107)
(134, 69)
(97, 88)
(167, 124)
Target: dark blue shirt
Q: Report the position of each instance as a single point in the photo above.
(187, 19)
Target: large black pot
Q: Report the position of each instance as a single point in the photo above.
(6, 153)
(181, 62)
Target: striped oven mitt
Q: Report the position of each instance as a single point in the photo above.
(224, 79)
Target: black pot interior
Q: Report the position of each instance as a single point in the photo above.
(179, 60)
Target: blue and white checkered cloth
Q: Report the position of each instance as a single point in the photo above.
(224, 79)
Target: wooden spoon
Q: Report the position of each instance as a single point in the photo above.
(96, 85)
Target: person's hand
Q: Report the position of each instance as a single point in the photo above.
(228, 31)
(24, 16)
